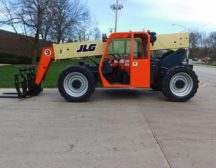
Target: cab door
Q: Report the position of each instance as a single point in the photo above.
(140, 61)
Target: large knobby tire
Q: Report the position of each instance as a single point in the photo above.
(76, 84)
(180, 84)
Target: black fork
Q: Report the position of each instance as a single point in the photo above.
(24, 84)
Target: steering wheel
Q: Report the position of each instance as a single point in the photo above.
(115, 57)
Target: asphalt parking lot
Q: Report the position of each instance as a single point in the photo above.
(115, 129)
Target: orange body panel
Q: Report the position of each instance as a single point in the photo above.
(45, 60)
(140, 74)
(140, 69)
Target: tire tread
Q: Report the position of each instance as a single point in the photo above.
(165, 84)
(85, 72)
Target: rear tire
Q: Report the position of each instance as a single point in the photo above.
(180, 84)
(76, 84)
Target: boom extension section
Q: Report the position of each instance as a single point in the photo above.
(96, 48)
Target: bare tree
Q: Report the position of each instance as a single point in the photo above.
(203, 45)
(195, 39)
(8, 15)
(48, 22)
(54, 20)
(27, 15)
(97, 33)
(203, 37)
(31, 13)
(88, 30)
(212, 40)
(69, 14)
(194, 43)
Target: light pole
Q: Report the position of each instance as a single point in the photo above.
(116, 7)
(183, 27)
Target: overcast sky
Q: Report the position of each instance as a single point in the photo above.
(161, 16)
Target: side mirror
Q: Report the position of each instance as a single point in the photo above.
(104, 37)
(153, 37)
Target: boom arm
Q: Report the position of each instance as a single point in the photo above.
(95, 48)
(171, 42)
(45, 60)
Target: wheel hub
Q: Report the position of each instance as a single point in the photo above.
(76, 84)
(180, 84)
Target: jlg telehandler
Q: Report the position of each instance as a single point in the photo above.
(126, 62)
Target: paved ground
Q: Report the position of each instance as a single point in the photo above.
(115, 129)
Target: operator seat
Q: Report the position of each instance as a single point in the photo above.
(107, 68)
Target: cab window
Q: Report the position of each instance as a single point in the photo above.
(140, 49)
(120, 47)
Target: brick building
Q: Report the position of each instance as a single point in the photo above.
(17, 44)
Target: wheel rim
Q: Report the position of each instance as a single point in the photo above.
(181, 84)
(75, 84)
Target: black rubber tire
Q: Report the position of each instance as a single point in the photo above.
(166, 84)
(84, 71)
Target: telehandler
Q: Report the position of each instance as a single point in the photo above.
(126, 62)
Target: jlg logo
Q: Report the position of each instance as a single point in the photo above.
(87, 48)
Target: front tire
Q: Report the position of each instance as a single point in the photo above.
(180, 84)
(76, 84)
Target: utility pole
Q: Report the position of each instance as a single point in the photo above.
(116, 7)
(183, 27)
